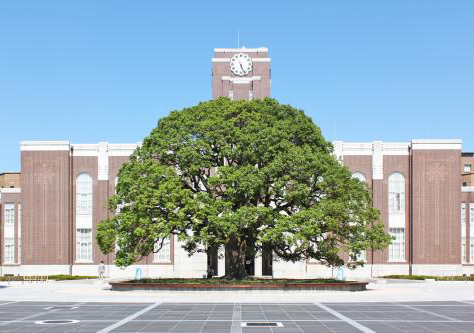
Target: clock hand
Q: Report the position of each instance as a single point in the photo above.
(241, 66)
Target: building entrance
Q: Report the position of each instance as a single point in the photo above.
(267, 262)
(212, 262)
(250, 265)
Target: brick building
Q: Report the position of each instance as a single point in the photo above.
(10, 180)
(424, 190)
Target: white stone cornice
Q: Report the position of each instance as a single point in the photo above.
(357, 148)
(81, 149)
(43, 145)
(243, 49)
(10, 190)
(467, 189)
(395, 148)
(253, 59)
(436, 144)
(338, 150)
(238, 80)
(123, 149)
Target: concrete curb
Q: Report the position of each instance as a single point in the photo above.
(343, 286)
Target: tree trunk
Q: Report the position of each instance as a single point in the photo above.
(235, 256)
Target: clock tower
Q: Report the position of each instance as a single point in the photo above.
(241, 73)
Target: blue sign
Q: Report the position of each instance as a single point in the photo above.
(138, 273)
(340, 274)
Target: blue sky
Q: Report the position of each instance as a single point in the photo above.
(90, 71)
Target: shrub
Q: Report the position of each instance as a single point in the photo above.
(424, 277)
(58, 277)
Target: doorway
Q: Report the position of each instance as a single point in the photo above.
(212, 261)
(267, 261)
(250, 265)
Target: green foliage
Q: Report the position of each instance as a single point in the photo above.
(437, 278)
(59, 277)
(246, 175)
(253, 281)
(62, 277)
(454, 278)
(407, 277)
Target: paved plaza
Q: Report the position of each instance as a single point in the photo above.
(90, 306)
(233, 317)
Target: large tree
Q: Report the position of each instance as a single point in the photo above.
(245, 175)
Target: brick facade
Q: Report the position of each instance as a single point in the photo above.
(429, 223)
(10, 180)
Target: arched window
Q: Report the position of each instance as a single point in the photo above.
(471, 231)
(360, 176)
(8, 235)
(84, 194)
(396, 193)
(362, 256)
(164, 254)
(117, 210)
(19, 233)
(84, 218)
(396, 217)
(463, 233)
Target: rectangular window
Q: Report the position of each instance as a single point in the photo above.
(467, 167)
(362, 256)
(19, 233)
(471, 249)
(463, 249)
(9, 214)
(463, 233)
(9, 240)
(396, 200)
(84, 245)
(164, 254)
(9, 257)
(471, 213)
(471, 232)
(396, 251)
(84, 203)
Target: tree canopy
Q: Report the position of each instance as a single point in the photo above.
(244, 175)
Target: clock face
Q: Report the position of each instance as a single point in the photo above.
(240, 64)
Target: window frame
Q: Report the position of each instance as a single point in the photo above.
(463, 233)
(9, 214)
(471, 232)
(360, 176)
(84, 210)
(82, 242)
(401, 242)
(396, 189)
(19, 233)
(9, 251)
(167, 245)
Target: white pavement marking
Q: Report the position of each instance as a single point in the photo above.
(467, 302)
(236, 319)
(299, 320)
(8, 303)
(427, 312)
(33, 316)
(351, 322)
(128, 319)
